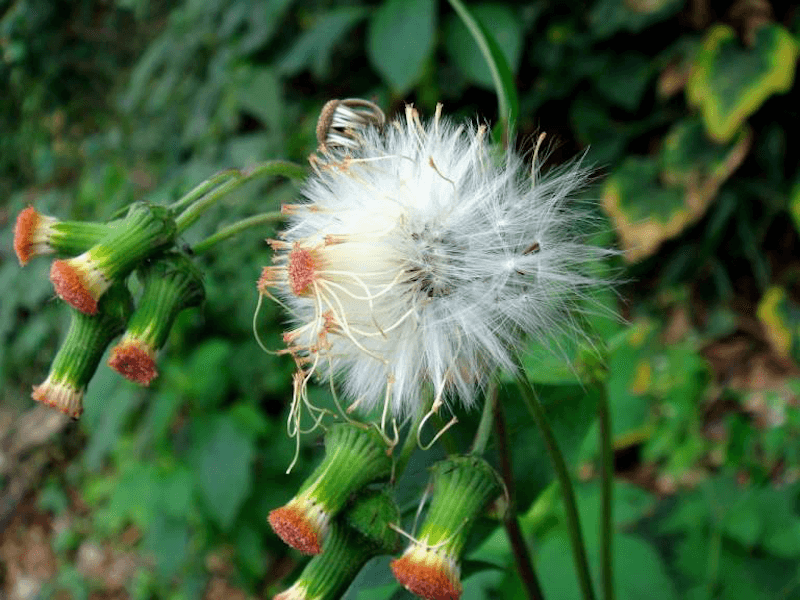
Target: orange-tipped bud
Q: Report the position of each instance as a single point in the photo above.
(428, 573)
(78, 283)
(301, 524)
(361, 532)
(82, 280)
(59, 395)
(134, 360)
(30, 234)
(81, 351)
(354, 456)
(36, 234)
(171, 284)
(429, 567)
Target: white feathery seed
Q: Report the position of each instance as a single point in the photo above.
(421, 258)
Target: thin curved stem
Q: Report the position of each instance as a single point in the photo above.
(235, 228)
(203, 188)
(607, 492)
(536, 410)
(522, 556)
(229, 182)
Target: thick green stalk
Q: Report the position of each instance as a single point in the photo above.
(536, 409)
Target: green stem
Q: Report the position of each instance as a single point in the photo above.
(238, 227)
(606, 509)
(536, 409)
(487, 420)
(409, 445)
(519, 548)
(231, 182)
(506, 100)
(204, 188)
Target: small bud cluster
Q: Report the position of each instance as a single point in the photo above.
(90, 273)
(338, 520)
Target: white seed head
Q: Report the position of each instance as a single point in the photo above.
(419, 256)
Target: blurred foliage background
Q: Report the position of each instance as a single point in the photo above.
(687, 109)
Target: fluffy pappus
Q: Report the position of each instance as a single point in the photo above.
(420, 256)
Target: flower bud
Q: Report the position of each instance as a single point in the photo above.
(36, 234)
(171, 284)
(81, 281)
(81, 351)
(430, 566)
(362, 532)
(355, 455)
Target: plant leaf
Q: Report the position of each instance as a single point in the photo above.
(400, 41)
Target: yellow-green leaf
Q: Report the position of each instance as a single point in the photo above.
(699, 165)
(780, 317)
(729, 81)
(644, 212)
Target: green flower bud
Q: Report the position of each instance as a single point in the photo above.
(36, 234)
(81, 281)
(430, 566)
(355, 455)
(171, 284)
(81, 351)
(362, 532)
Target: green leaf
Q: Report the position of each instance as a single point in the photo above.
(206, 378)
(222, 465)
(400, 41)
(639, 571)
(630, 378)
(623, 79)
(729, 81)
(608, 17)
(314, 48)
(168, 540)
(260, 95)
(502, 23)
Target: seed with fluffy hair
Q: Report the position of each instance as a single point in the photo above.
(420, 256)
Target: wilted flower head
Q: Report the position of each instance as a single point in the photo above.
(421, 256)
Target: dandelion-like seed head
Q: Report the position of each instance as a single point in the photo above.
(421, 257)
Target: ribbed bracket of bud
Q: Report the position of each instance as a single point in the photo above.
(361, 533)
(81, 351)
(81, 281)
(354, 456)
(36, 234)
(171, 284)
(430, 567)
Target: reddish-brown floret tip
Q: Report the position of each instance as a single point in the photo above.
(292, 527)
(134, 361)
(427, 580)
(302, 270)
(71, 288)
(26, 224)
